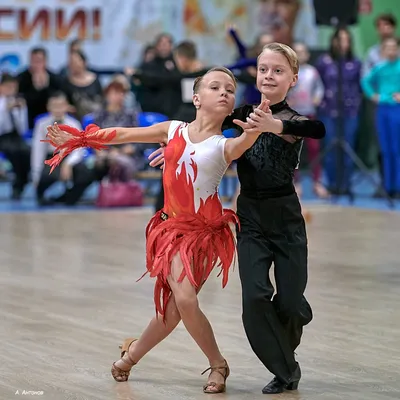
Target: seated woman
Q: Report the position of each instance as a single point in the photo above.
(81, 86)
(127, 157)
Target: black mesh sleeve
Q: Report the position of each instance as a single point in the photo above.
(313, 129)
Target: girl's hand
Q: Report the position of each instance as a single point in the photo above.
(56, 136)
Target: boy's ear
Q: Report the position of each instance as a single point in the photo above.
(295, 79)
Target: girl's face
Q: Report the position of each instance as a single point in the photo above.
(274, 76)
(216, 93)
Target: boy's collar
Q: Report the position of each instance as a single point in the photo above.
(278, 106)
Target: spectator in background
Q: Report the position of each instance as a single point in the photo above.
(75, 45)
(188, 68)
(114, 112)
(71, 168)
(148, 54)
(36, 83)
(82, 87)
(386, 27)
(305, 98)
(128, 156)
(153, 97)
(382, 85)
(13, 124)
(341, 56)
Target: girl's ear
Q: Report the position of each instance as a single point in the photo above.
(196, 101)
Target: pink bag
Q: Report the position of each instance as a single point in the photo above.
(116, 193)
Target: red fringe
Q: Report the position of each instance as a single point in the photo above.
(202, 245)
(90, 137)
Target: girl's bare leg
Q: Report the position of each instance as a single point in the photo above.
(155, 332)
(194, 320)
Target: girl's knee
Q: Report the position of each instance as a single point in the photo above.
(186, 303)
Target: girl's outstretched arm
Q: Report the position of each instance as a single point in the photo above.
(66, 139)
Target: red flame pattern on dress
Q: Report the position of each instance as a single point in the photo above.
(203, 237)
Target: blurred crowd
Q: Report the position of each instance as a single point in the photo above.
(160, 88)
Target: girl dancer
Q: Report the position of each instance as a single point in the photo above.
(272, 226)
(192, 234)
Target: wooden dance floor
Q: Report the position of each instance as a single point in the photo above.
(68, 295)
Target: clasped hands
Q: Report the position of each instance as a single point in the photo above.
(260, 120)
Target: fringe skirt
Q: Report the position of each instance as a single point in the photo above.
(202, 244)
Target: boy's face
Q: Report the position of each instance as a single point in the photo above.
(274, 75)
(58, 107)
(9, 89)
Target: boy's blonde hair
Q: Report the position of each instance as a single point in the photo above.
(198, 80)
(286, 51)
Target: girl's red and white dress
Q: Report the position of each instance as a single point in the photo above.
(193, 222)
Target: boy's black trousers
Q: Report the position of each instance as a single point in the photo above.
(273, 231)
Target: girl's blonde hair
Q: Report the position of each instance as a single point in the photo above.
(286, 51)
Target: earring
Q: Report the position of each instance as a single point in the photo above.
(197, 106)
